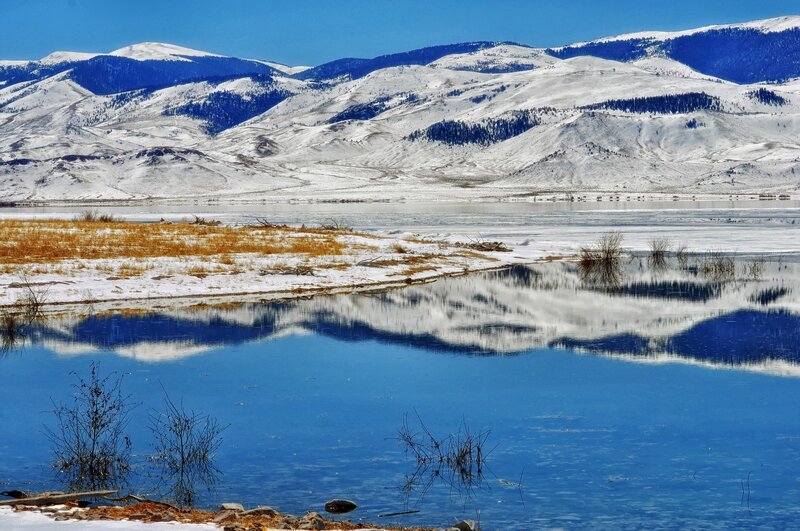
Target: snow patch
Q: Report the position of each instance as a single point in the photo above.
(158, 51)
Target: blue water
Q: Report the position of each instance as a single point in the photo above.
(596, 442)
(578, 440)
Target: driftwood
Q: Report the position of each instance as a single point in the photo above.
(132, 497)
(55, 499)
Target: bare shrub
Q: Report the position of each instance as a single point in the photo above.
(89, 442)
(335, 226)
(31, 302)
(265, 223)
(95, 216)
(185, 447)
(718, 267)
(206, 222)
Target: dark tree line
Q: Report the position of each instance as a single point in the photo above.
(668, 104)
(741, 55)
(361, 111)
(767, 97)
(223, 110)
(493, 130)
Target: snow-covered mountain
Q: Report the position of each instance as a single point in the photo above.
(712, 110)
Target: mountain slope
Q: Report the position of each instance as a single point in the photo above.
(463, 121)
(763, 51)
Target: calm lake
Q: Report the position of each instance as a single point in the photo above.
(669, 398)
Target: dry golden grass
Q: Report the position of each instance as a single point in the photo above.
(128, 270)
(49, 241)
(399, 249)
(341, 266)
(411, 271)
(466, 253)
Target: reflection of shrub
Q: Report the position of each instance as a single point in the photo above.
(754, 269)
(12, 332)
(658, 253)
(718, 267)
(185, 444)
(90, 446)
(769, 295)
(27, 310)
(457, 459)
(682, 254)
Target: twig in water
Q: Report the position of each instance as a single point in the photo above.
(415, 511)
(746, 494)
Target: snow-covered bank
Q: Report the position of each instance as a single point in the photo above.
(36, 521)
(328, 262)
(148, 516)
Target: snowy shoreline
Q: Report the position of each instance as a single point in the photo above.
(357, 262)
(397, 197)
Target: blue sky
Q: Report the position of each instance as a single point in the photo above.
(315, 31)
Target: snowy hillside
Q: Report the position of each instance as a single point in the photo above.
(709, 111)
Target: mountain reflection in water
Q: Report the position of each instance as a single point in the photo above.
(672, 314)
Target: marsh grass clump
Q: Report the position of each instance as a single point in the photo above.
(659, 247)
(89, 443)
(601, 263)
(718, 267)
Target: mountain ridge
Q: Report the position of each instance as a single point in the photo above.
(470, 120)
